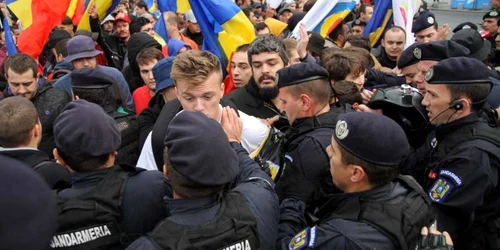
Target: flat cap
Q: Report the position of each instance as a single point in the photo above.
(199, 149)
(316, 42)
(373, 138)
(28, 207)
(88, 78)
(423, 21)
(161, 73)
(466, 25)
(479, 48)
(433, 51)
(84, 129)
(458, 70)
(299, 73)
(492, 14)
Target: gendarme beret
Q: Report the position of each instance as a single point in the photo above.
(423, 21)
(492, 14)
(300, 73)
(433, 51)
(88, 78)
(358, 22)
(466, 25)
(458, 70)
(84, 129)
(198, 148)
(371, 137)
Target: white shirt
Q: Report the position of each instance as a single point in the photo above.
(253, 135)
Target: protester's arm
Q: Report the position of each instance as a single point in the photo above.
(378, 79)
(102, 38)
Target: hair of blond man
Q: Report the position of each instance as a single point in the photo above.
(195, 67)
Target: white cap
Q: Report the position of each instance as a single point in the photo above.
(189, 16)
(108, 18)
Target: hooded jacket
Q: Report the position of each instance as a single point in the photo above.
(174, 46)
(136, 43)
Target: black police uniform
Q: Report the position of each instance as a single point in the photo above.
(461, 177)
(492, 14)
(423, 20)
(128, 152)
(375, 219)
(244, 216)
(307, 139)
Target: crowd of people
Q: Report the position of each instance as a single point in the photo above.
(110, 140)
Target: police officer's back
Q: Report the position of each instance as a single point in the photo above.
(378, 209)
(107, 205)
(462, 176)
(305, 94)
(200, 161)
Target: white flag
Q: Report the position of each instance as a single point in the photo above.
(274, 3)
(403, 12)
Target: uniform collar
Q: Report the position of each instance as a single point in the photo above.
(89, 179)
(178, 206)
(446, 129)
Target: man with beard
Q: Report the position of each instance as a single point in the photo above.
(259, 98)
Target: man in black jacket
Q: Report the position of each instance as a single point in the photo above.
(21, 72)
(20, 135)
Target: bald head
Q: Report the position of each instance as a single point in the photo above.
(18, 118)
(171, 18)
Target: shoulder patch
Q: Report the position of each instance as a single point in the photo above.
(441, 189)
(454, 177)
(306, 238)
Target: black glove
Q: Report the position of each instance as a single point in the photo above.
(433, 242)
(295, 185)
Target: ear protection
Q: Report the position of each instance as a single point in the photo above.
(456, 105)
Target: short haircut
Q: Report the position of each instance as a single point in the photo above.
(342, 64)
(360, 42)
(142, 5)
(67, 21)
(148, 55)
(362, 8)
(260, 26)
(195, 66)
(17, 119)
(339, 30)
(61, 47)
(290, 46)
(83, 164)
(243, 48)
(109, 96)
(395, 29)
(319, 90)
(136, 25)
(347, 92)
(363, 55)
(20, 63)
(477, 93)
(247, 11)
(186, 188)
(377, 175)
(171, 18)
(308, 5)
(267, 43)
(327, 53)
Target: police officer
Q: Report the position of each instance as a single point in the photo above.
(95, 86)
(107, 205)
(201, 157)
(462, 177)
(425, 28)
(304, 92)
(364, 154)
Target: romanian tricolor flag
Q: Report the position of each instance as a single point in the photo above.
(381, 20)
(75, 11)
(104, 8)
(177, 6)
(37, 18)
(325, 15)
(224, 27)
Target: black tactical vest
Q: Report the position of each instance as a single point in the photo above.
(128, 152)
(94, 220)
(400, 222)
(235, 227)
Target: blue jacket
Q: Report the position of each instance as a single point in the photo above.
(252, 183)
(142, 206)
(64, 83)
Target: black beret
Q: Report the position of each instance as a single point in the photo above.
(316, 42)
(28, 207)
(458, 70)
(88, 78)
(198, 148)
(84, 129)
(423, 21)
(491, 14)
(299, 73)
(472, 39)
(56, 36)
(358, 22)
(433, 51)
(373, 138)
(466, 25)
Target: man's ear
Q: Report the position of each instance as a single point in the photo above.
(60, 160)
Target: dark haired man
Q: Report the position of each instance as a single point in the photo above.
(21, 72)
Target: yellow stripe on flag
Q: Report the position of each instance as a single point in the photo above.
(72, 8)
(237, 31)
(22, 9)
(331, 20)
(375, 35)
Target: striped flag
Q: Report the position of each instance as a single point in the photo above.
(404, 10)
(381, 20)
